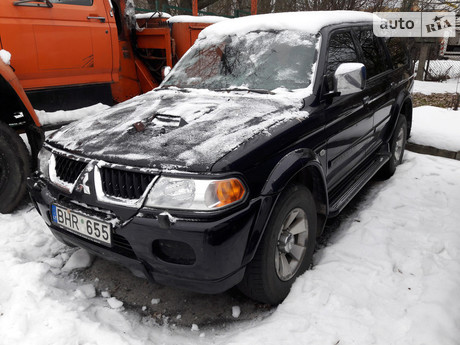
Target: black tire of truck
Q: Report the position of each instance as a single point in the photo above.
(14, 168)
(397, 148)
(290, 237)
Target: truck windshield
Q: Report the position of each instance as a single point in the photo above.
(260, 60)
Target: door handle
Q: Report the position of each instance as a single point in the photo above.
(366, 100)
(102, 19)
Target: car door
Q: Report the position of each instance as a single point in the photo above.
(348, 120)
(379, 85)
(65, 43)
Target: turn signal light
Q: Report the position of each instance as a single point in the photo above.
(229, 191)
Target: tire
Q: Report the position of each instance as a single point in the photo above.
(397, 147)
(270, 275)
(14, 168)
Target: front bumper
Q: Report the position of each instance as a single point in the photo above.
(206, 254)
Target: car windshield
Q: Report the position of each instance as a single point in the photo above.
(260, 60)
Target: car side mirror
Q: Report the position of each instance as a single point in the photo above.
(350, 77)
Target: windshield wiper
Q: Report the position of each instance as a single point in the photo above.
(248, 90)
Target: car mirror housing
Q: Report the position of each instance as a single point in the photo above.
(350, 78)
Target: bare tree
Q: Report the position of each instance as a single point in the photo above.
(201, 4)
(232, 7)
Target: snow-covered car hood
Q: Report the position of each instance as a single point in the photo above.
(177, 129)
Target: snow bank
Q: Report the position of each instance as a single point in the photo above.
(430, 87)
(437, 127)
(66, 116)
(5, 56)
(389, 275)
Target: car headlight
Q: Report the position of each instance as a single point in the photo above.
(193, 194)
(44, 157)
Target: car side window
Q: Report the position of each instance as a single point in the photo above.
(373, 53)
(73, 2)
(341, 49)
(397, 47)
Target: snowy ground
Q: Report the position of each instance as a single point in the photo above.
(390, 275)
(429, 87)
(436, 127)
(433, 126)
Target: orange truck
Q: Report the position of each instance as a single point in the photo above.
(72, 53)
(66, 54)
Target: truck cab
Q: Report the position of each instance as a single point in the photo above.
(60, 43)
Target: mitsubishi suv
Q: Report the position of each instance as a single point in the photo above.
(226, 174)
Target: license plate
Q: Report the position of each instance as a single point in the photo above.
(81, 225)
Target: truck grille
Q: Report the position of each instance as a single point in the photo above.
(68, 169)
(124, 184)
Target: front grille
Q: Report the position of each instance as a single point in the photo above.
(68, 169)
(124, 184)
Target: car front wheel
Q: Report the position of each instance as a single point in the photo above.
(14, 168)
(286, 249)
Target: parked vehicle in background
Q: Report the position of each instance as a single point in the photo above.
(226, 173)
(17, 116)
(68, 54)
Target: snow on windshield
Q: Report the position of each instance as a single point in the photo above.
(264, 60)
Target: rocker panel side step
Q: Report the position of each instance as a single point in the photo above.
(343, 194)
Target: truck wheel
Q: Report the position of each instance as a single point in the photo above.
(397, 147)
(14, 168)
(286, 249)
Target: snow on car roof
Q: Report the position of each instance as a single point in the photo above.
(310, 22)
(196, 19)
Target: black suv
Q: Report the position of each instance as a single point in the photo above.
(227, 172)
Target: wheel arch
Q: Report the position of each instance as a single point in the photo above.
(303, 167)
(402, 105)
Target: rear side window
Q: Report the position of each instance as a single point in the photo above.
(397, 47)
(73, 2)
(341, 49)
(373, 53)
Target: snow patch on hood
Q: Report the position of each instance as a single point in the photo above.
(211, 125)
